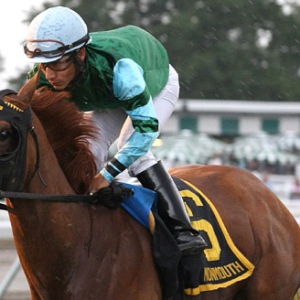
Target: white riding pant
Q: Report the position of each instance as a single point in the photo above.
(114, 124)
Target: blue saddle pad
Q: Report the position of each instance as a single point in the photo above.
(140, 204)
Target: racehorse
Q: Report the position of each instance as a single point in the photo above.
(84, 251)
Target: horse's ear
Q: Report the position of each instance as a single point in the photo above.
(27, 91)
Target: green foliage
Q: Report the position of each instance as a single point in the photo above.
(214, 45)
(217, 56)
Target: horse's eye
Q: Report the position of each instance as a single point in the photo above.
(4, 134)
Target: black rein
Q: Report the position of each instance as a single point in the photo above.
(111, 196)
(90, 199)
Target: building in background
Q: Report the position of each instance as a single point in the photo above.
(223, 118)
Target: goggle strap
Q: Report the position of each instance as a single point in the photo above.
(76, 43)
(59, 51)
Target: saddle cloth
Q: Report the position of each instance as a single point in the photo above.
(218, 266)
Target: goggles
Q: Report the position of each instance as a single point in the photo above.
(46, 45)
(61, 64)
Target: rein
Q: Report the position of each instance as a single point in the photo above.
(110, 197)
(90, 199)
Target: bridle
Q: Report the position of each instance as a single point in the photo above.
(13, 164)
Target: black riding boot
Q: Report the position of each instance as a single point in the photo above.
(171, 208)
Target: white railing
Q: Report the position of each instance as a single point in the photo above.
(5, 228)
(9, 277)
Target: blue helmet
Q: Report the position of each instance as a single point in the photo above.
(53, 33)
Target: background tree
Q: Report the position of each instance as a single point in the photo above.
(222, 49)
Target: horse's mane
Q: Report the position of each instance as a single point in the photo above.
(68, 132)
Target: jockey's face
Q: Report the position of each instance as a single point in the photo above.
(61, 73)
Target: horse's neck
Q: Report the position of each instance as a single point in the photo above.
(40, 227)
(49, 178)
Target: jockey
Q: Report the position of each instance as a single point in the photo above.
(123, 80)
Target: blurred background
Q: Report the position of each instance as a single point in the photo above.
(239, 68)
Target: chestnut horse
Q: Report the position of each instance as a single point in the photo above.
(82, 251)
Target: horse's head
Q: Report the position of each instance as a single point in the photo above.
(15, 123)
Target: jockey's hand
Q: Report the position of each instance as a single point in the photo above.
(98, 183)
